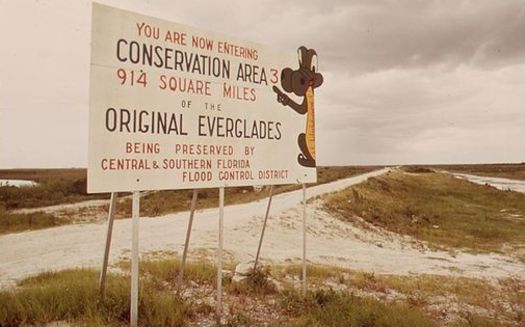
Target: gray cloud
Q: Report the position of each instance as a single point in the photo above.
(360, 36)
(392, 111)
(405, 81)
(411, 34)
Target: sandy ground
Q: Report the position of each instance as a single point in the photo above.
(90, 211)
(329, 241)
(65, 207)
(61, 208)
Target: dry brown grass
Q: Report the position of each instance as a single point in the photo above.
(366, 299)
(55, 186)
(15, 222)
(447, 300)
(437, 208)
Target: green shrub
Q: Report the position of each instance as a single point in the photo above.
(15, 222)
(329, 308)
(438, 208)
(73, 296)
(257, 283)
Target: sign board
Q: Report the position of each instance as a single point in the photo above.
(173, 107)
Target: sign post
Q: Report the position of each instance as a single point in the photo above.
(188, 234)
(111, 217)
(174, 107)
(304, 239)
(270, 195)
(219, 257)
(135, 260)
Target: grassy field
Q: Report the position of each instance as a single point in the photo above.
(14, 222)
(360, 299)
(512, 171)
(330, 308)
(55, 186)
(445, 211)
(445, 301)
(72, 296)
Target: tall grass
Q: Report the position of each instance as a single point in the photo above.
(438, 208)
(12, 222)
(55, 186)
(329, 308)
(257, 283)
(73, 296)
(165, 271)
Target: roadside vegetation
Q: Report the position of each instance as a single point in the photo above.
(62, 186)
(55, 186)
(15, 222)
(336, 297)
(434, 300)
(72, 296)
(330, 308)
(444, 211)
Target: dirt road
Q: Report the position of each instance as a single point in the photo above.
(330, 241)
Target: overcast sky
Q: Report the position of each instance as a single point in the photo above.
(405, 81)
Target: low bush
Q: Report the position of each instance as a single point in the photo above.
(437, 208)
(329, 308)
(14, 222)
(73, 296)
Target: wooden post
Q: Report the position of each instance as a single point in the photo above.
(111, 216)
(135, 260)
(304, 239)
(219, 257)
(270, 195)
(188, 234)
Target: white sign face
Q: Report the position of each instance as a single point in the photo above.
(172, 107)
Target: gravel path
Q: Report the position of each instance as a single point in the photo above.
(330, 241)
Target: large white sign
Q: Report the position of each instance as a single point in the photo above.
(173, 107)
